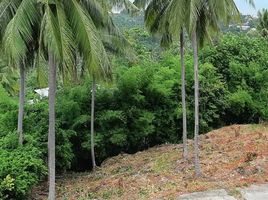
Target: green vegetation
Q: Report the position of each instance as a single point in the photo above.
(118, 90)
(139, 110)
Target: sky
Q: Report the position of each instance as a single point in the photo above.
(246, 9)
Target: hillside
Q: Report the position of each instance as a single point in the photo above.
(231, 157)
(125, 21)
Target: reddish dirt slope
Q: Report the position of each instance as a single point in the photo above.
(231, 157)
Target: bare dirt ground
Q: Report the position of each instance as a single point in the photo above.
(231, 157)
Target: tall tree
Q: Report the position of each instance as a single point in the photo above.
(16, 33)
(183, 98)
(57, 24)
(21, 103)
(83, 18)
(93, 92)
(200, 18)
(153, 16)
(113, 39)
(52, 121)
(205, 21)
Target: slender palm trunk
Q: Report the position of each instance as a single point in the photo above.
(21, 103)
(183, 96)
(196, 92)
(75, 73)
(93, 92)
(51, 133)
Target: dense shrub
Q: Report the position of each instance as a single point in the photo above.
(8, 112)
(242, 63)
(140, 110)
(20, 168)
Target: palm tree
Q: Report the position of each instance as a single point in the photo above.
(93, 93)
(209, 15)
(79, 16)
(153, 13)
(21, 103)
(112, 38)
(17, 40)
(56, 24)
(199, 18)
(263, 22)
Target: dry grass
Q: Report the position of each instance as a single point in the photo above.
(231, 157)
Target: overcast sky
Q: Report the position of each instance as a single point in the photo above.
(246, 9)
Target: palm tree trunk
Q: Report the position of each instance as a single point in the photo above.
(75, 74)
(21, 103)
(51, 133)
(196, 92)
(93, 92)
(183, 96)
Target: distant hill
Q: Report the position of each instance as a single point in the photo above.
(126, 21)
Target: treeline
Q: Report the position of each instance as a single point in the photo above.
(139, 110)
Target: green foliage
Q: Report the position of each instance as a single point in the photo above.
(141, 109)
(242, 62)
(36, 125)
(8, 77)
(20, 168)
(7, 185)
(213, 97)
(8, 113)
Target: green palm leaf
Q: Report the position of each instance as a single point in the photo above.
(19, 30)
(89, 43)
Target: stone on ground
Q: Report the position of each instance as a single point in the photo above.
(255, 192)
(208, 195)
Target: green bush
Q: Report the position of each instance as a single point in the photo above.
(242, 63)
(20, 168)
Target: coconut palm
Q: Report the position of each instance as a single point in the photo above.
(203, 20)
(113, 39)
(200, 18)
(17, 42)
(79, 16)
(263, 22)
(153, 15)
(56, 25)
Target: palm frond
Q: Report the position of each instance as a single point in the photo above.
(19, 31)
(89, 42)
